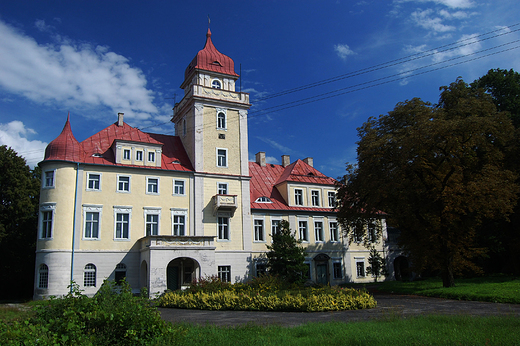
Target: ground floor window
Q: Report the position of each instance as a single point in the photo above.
(261, 268)
(224, 273)
(360, 269)
(89, 277)
(43, 276)
(120, 273)
(336, 268)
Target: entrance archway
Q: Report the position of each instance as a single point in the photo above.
(401, 269)
(181, 272)
(321, 263)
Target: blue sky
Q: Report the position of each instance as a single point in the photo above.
(343, 61)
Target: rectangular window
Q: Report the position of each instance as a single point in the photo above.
(49, 179)
(315, 198)
(222, 188)
(224, 273)
(336, 268)
(46, 224)
(93, 181)
(152, 185)
(259, 230)
(261, 269)
(222, 157)
(360, 269)
(139, 155)
(332, 199)
(334, 234)
(91, 225)
(122, 225)
(178, 187)
(275, 226)
(151, 156)
(152, 224)
(302, 228)
(358, 234)
(298, 197)
(126, 154)
(223, 228)
(318, 231)
(372, 232)
(179, 225)
(123, 184)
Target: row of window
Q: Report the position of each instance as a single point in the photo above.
(303, 231)
(89, 275)
(138, 155)
(315, 198)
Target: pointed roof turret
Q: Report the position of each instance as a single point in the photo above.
(65, 147)
(210, 59)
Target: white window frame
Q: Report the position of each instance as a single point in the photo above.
(43, 276)
(47, 208)
(334, 263)
(224, 113)
(175, 192)
(213, 84)
(263, 199)
(226, 231)
(222, 187)
(331, 196)
(275, 221)
(139, 155)
(259, 229)
(179, 212)
(91, 279)
(155, 211)
(319, 236)
(334, 231)
(119, 176)
(315, 198)
(303, 232)
(224, 273)
(218, 157)
(372, 231)
(88, 188)
(298, 197)
(360, 260)
(92, 209)
(127, 154)
(122, 210)
(148, 192)
(151, 156)
(49, 183)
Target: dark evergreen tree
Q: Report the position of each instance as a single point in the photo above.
(377, 265)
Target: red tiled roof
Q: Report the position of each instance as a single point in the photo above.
(97, 148)
(65, 146)
(264, 181)
(210, 59)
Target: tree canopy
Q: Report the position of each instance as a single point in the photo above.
(286, 257)
(19, 196)
(438, 171)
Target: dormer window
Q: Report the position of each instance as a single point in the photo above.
(139, 155)
(263, 199)
(217, 63)
(216, 84)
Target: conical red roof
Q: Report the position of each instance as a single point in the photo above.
(65, 147)
(210, 59)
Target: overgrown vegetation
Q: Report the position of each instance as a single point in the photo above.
(497, 289)
(266, 293)
(112, 317)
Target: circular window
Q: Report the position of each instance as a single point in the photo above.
(216, 84)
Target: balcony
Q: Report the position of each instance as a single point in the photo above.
(226, 203)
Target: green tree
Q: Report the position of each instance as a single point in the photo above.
(19, 196)
(377, 265)
(286, 257)
(438, 172)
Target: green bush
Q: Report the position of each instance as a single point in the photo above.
(112, 317)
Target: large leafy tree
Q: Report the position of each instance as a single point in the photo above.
(286, 257)
(438, 172)
(19, 197)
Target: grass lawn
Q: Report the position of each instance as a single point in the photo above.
(498, 289)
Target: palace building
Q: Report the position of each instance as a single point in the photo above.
(163, 210)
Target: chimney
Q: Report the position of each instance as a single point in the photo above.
(286, 160)
(309, 161)
(260, 158)
(120, 121)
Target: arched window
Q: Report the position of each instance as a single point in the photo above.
(89, 277)
(43, 276)
(216, 84)
(120, 273)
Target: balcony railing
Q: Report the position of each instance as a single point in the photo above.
(225, 203)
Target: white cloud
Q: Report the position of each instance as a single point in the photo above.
(73, 75)
(426, 20)
(448, 3)
(468, 44)
(14, 135)
(343, 51)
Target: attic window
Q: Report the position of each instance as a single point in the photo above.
(263, 199)
(97, 155)
(216, 62)
(216, 84)
(311, 174)
(176, 161)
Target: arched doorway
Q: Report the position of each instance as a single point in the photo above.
(321, 263)
(181, 272)
(401, 269)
